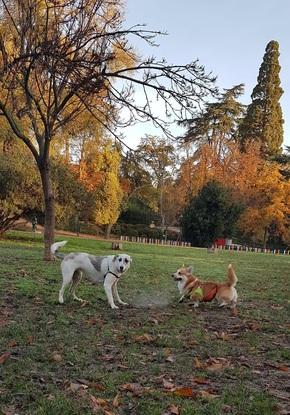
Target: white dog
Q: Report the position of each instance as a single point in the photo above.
(106, 269)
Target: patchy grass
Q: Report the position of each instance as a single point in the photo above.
(154, 357)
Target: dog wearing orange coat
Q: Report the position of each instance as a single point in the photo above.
(202, 291)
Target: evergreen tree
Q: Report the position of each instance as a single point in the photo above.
(218, 124)
(210, 215)
(264, 120)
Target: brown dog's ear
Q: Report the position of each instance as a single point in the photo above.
(190, 269)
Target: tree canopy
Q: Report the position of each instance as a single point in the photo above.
(264, 119)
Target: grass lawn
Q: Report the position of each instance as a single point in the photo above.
(154, 357)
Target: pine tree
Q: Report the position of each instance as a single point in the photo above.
(264, 121)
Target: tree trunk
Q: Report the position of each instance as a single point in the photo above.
(265, 237)
(108, 230)
(49, 209)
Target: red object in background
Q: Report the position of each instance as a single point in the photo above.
(220, 242)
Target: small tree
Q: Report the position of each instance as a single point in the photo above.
(210, 215)
(264, 119)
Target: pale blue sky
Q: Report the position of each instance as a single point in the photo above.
(227, 36)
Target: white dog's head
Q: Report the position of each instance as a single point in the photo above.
(122, 262)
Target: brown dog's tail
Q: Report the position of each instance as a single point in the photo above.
(232, 278)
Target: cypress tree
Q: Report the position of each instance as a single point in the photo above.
(264, 121)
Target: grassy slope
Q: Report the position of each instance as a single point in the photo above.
(243, 360)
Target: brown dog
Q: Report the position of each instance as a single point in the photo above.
(197, 290)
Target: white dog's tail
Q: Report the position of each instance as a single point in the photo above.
(55, 247)
(232, 278)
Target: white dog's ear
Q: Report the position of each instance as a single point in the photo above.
(190, 269)
(131, 259)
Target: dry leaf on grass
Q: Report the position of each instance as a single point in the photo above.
(56, 356)
(135, 388)
(207, 395)
(116, 401)
(4, 357)
(30, 339)
(185, 392)
(197, 363)
(75, 387)
(216, 364)
(283, 368)
(200, 380)
(12, 343)
(144, 338)
(98, 404)
(168, 384)
(107, 357)
(172, 410)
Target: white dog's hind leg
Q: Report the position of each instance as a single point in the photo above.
(67, 275)
(75, 282)
(65, 283)
(116, 294)
(108, 286)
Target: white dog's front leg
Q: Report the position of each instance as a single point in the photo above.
(108, 286)
(116, 294)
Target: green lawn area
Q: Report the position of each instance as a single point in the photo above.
(154, 357)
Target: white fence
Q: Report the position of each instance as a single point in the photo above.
(143, 240)
(235, 248)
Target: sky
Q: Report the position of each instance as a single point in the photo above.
(228, 37)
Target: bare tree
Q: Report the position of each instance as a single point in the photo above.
(59, 58)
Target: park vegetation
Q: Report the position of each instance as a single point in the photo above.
(67, 77)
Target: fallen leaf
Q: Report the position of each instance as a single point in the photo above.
(283, 368)
(170, 359)
(207, 395)
(217, 364)
(9, 410)
(121, 366)
(234, 312)
(227, 409)
(144, 338)
(173, 410)
(223, 336)
(92, 321)
(201, 381)
(75, 387)
(135, 388)
(279, 394)
(12, 343)
(4, 357)
(185, 392)
(56, 356)
(107, 357)
(197, 363)
(277, 307)
(167, 384)
(29, 339)
(116, 401)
